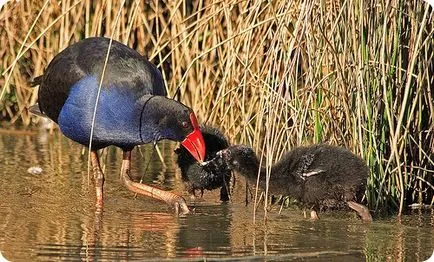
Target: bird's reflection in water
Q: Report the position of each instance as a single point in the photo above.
(172, 236)
(206, 232)
(135, 235)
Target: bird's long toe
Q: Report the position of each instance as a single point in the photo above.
(361, 210)
(173, 200)
(313, 215)
(180, 205)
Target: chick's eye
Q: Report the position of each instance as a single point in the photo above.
(184, 124)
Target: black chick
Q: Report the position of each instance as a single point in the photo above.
(318, 176)
(195, 176)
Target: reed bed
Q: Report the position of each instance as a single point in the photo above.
(271, 74)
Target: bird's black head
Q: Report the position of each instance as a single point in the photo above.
(163, 118)
(240, 158)
(195, 175)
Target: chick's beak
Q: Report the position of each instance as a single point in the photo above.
(194, 142)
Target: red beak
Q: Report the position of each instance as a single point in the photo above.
(194, 142)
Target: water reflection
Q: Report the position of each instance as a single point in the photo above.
(51, 216)
(206, 233)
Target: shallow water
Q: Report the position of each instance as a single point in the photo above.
(51, 216)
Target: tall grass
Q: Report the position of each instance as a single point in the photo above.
(272, 74)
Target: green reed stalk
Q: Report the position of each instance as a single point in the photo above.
(273, 75)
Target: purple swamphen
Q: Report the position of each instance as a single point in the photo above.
(132, 108)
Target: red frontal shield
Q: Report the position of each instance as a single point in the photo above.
(194, 142)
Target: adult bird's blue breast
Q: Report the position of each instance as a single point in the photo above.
(117, 119)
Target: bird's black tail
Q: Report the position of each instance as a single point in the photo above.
(36, 110)
(36, 81)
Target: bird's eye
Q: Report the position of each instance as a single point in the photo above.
(184, 124)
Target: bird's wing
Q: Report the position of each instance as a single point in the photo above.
(310, 173)
(304, 164)
(36, 81)
(305, 168)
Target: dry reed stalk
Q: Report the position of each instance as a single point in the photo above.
(274, 74)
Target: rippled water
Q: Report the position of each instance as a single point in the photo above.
(51, 216)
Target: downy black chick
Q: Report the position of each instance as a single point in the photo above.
(319, 176)
(195, 176)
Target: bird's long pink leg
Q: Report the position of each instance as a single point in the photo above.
(170, 198)
(98, 175)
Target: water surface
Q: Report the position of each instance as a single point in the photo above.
(51, 215)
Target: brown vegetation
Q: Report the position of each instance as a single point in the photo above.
(274, 74)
